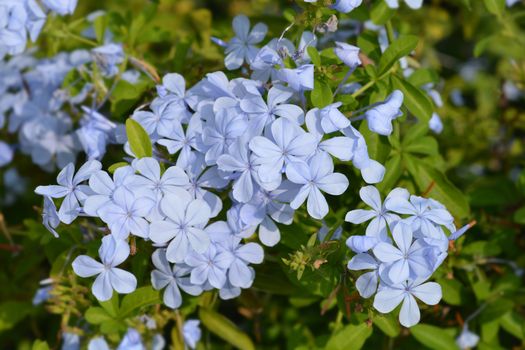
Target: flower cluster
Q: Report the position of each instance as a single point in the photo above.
(404, 243)
(51, 118)
(20, 19)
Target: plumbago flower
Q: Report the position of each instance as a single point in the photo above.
(233, 159)
(112, 252)
(398, 266)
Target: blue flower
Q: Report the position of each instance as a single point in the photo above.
(191, 333)
(435, 124)
(239, 162)
(390, 296)
(239, 273)
(50, 217)
(159, 121)
(95, 133)
(98, 343)
(290, 143)
(345, 6)
(347, 53)
(70, 341)
(103, 187)
(299, 79)
(379, 214)
(410, 259)
(70, 187)
(261, 114)
(183, 227)
(182, 141)
(125, 214)
(413, 4)
(6, 154)
(172, 278)
(424, 213)
(315, 176)
(131, 341)
(108, 57)
(209, 266)
(62, 7)
(150, 178)
(366, 284)
(112, 252)
(467, 339)
(242, 47)
(380, 117)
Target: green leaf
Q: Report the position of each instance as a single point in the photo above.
(388, 324)
(394, 170)
(496, 7)
(12, 312)
(115, 166)
(417, 102)
(423, 145)
(138, 138)
(441, 189)
(314, 55)
(513, 323)
(225, 329)
(381, 13)
(40, 345)
(321, 95)
(97, 315)
(351, 337)
(398, 49)
(519, 216)
(423, 76)
(111, 305)
(433, 337)
(451, 291)
(141, 297)
(100, 24)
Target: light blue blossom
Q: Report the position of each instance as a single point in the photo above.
(103, 187)
(6, 154)
(173, 92)
(95, 133)
(112, 252)
(131, 341)
(424, 213)
(435, 124)
(242, 47)
(315, 176)
(183, 141)
(157, 122)
(379, 213)
(347, 53)
(290, 143)
(390, 296)
(98, 343)
(172, 278)
(126, 214)
(366, 284)
(239, 273)
(183, 228)
(233, 226)
(413, 4)
(380, 117)
(50, 217)
(269, 61)
(338, 146)
(267, 207)
(209, 266)
(410, 259)
(202, 179)
(220, 133)
(299, 79)
(467, 339)
(332, 119)
(239, 162)
(42, 295)
(108, 57)
(70, 341)
(62, 7)
(150, 178)
(345, 6)
(261, 113)
(70, 187)
(191, 333)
